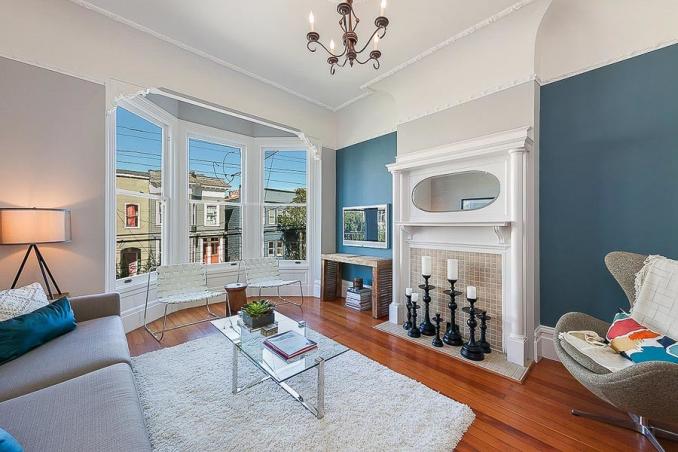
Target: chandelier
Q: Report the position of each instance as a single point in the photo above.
(349, 23)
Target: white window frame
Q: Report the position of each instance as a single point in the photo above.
(154, 114)
(287, 145)
(272, 222)
(138, 226)
(207, 222)
(193, 131)
(158, 213)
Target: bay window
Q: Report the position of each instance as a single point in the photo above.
(285, 186)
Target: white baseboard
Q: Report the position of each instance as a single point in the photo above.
(543, 343)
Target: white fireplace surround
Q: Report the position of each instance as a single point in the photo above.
(505, 227)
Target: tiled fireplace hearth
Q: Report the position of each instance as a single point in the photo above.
(482, 270)
(493, 242)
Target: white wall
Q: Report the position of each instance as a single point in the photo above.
(505, 110)
(52, 154)
(61, 35)
(579, 35)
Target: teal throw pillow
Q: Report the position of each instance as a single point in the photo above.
(26, 332)
(8, 443)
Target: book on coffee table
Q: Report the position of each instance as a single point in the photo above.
(290, 344)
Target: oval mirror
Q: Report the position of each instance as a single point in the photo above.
(456, 192)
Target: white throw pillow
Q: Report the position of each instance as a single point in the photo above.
(656, 305)
(16, 302)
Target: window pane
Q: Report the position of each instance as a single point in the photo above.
(284, 176)
(138, 168)
(138, 242)
(215, 234)
(138, 156)
(214, 171)
(287, 239)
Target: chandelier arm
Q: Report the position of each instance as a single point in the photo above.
(372, 37)
(326, 49)
(343, 63)
(366, 61)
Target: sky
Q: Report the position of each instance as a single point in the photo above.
(139, 148)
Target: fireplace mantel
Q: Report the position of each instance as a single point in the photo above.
(505, 227)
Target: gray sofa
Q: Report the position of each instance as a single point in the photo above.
(76, 393)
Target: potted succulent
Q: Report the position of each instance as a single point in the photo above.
(257, 314)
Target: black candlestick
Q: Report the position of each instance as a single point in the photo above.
(437, 342)
(452, 336)
(483, 328)
(426, 327)
(414, 331)
(408, 324)
(471, 349)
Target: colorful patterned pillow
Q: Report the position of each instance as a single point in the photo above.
(16, 302)
(640, 344)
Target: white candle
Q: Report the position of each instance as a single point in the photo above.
(311, 20)
(383, 7)
(332, 45)
(471, 293)
(415, 297)
(408, 291)
(426, 265)
(376, 42)
(452, 269)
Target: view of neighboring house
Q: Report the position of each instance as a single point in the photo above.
(215, 232)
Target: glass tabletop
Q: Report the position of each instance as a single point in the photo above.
(251, 343)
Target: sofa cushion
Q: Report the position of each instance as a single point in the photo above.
(22, 334)
(98, 411)
(94, 344)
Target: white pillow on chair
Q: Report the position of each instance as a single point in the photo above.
(16, 302)
(656, 305)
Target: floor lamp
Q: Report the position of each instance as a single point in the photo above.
(20, 226)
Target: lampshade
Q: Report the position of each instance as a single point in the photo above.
(24, 226)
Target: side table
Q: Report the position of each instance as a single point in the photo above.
(236, 295)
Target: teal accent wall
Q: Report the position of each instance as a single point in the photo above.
(608, 178)
(362, 179)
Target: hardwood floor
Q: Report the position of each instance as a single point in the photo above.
(509, 416)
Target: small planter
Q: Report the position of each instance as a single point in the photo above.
(254, 323)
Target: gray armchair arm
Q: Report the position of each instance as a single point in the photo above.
(90, 307)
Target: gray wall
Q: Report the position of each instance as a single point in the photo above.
(52, 154)
(199, 115)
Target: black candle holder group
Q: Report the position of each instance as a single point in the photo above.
(471, 349)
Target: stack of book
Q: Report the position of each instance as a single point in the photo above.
(359, 299)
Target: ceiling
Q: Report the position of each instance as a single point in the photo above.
(267, 38)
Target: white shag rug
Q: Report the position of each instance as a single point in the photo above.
(185, 393)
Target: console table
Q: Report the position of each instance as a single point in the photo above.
(382, 279)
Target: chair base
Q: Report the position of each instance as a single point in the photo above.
(158, 335)
(636, 423)
(285, 300)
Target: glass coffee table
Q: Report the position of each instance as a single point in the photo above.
(251, 345)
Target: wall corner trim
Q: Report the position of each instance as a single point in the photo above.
(543, 343)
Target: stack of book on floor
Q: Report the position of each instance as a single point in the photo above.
(359, 299)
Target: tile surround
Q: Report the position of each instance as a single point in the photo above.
(482, 270)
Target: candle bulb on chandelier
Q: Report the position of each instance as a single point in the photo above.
(383, 7)
(332, 45)
(311, 20)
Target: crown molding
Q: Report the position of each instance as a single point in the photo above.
(200, 53)
(617, 59)
(470, 30)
